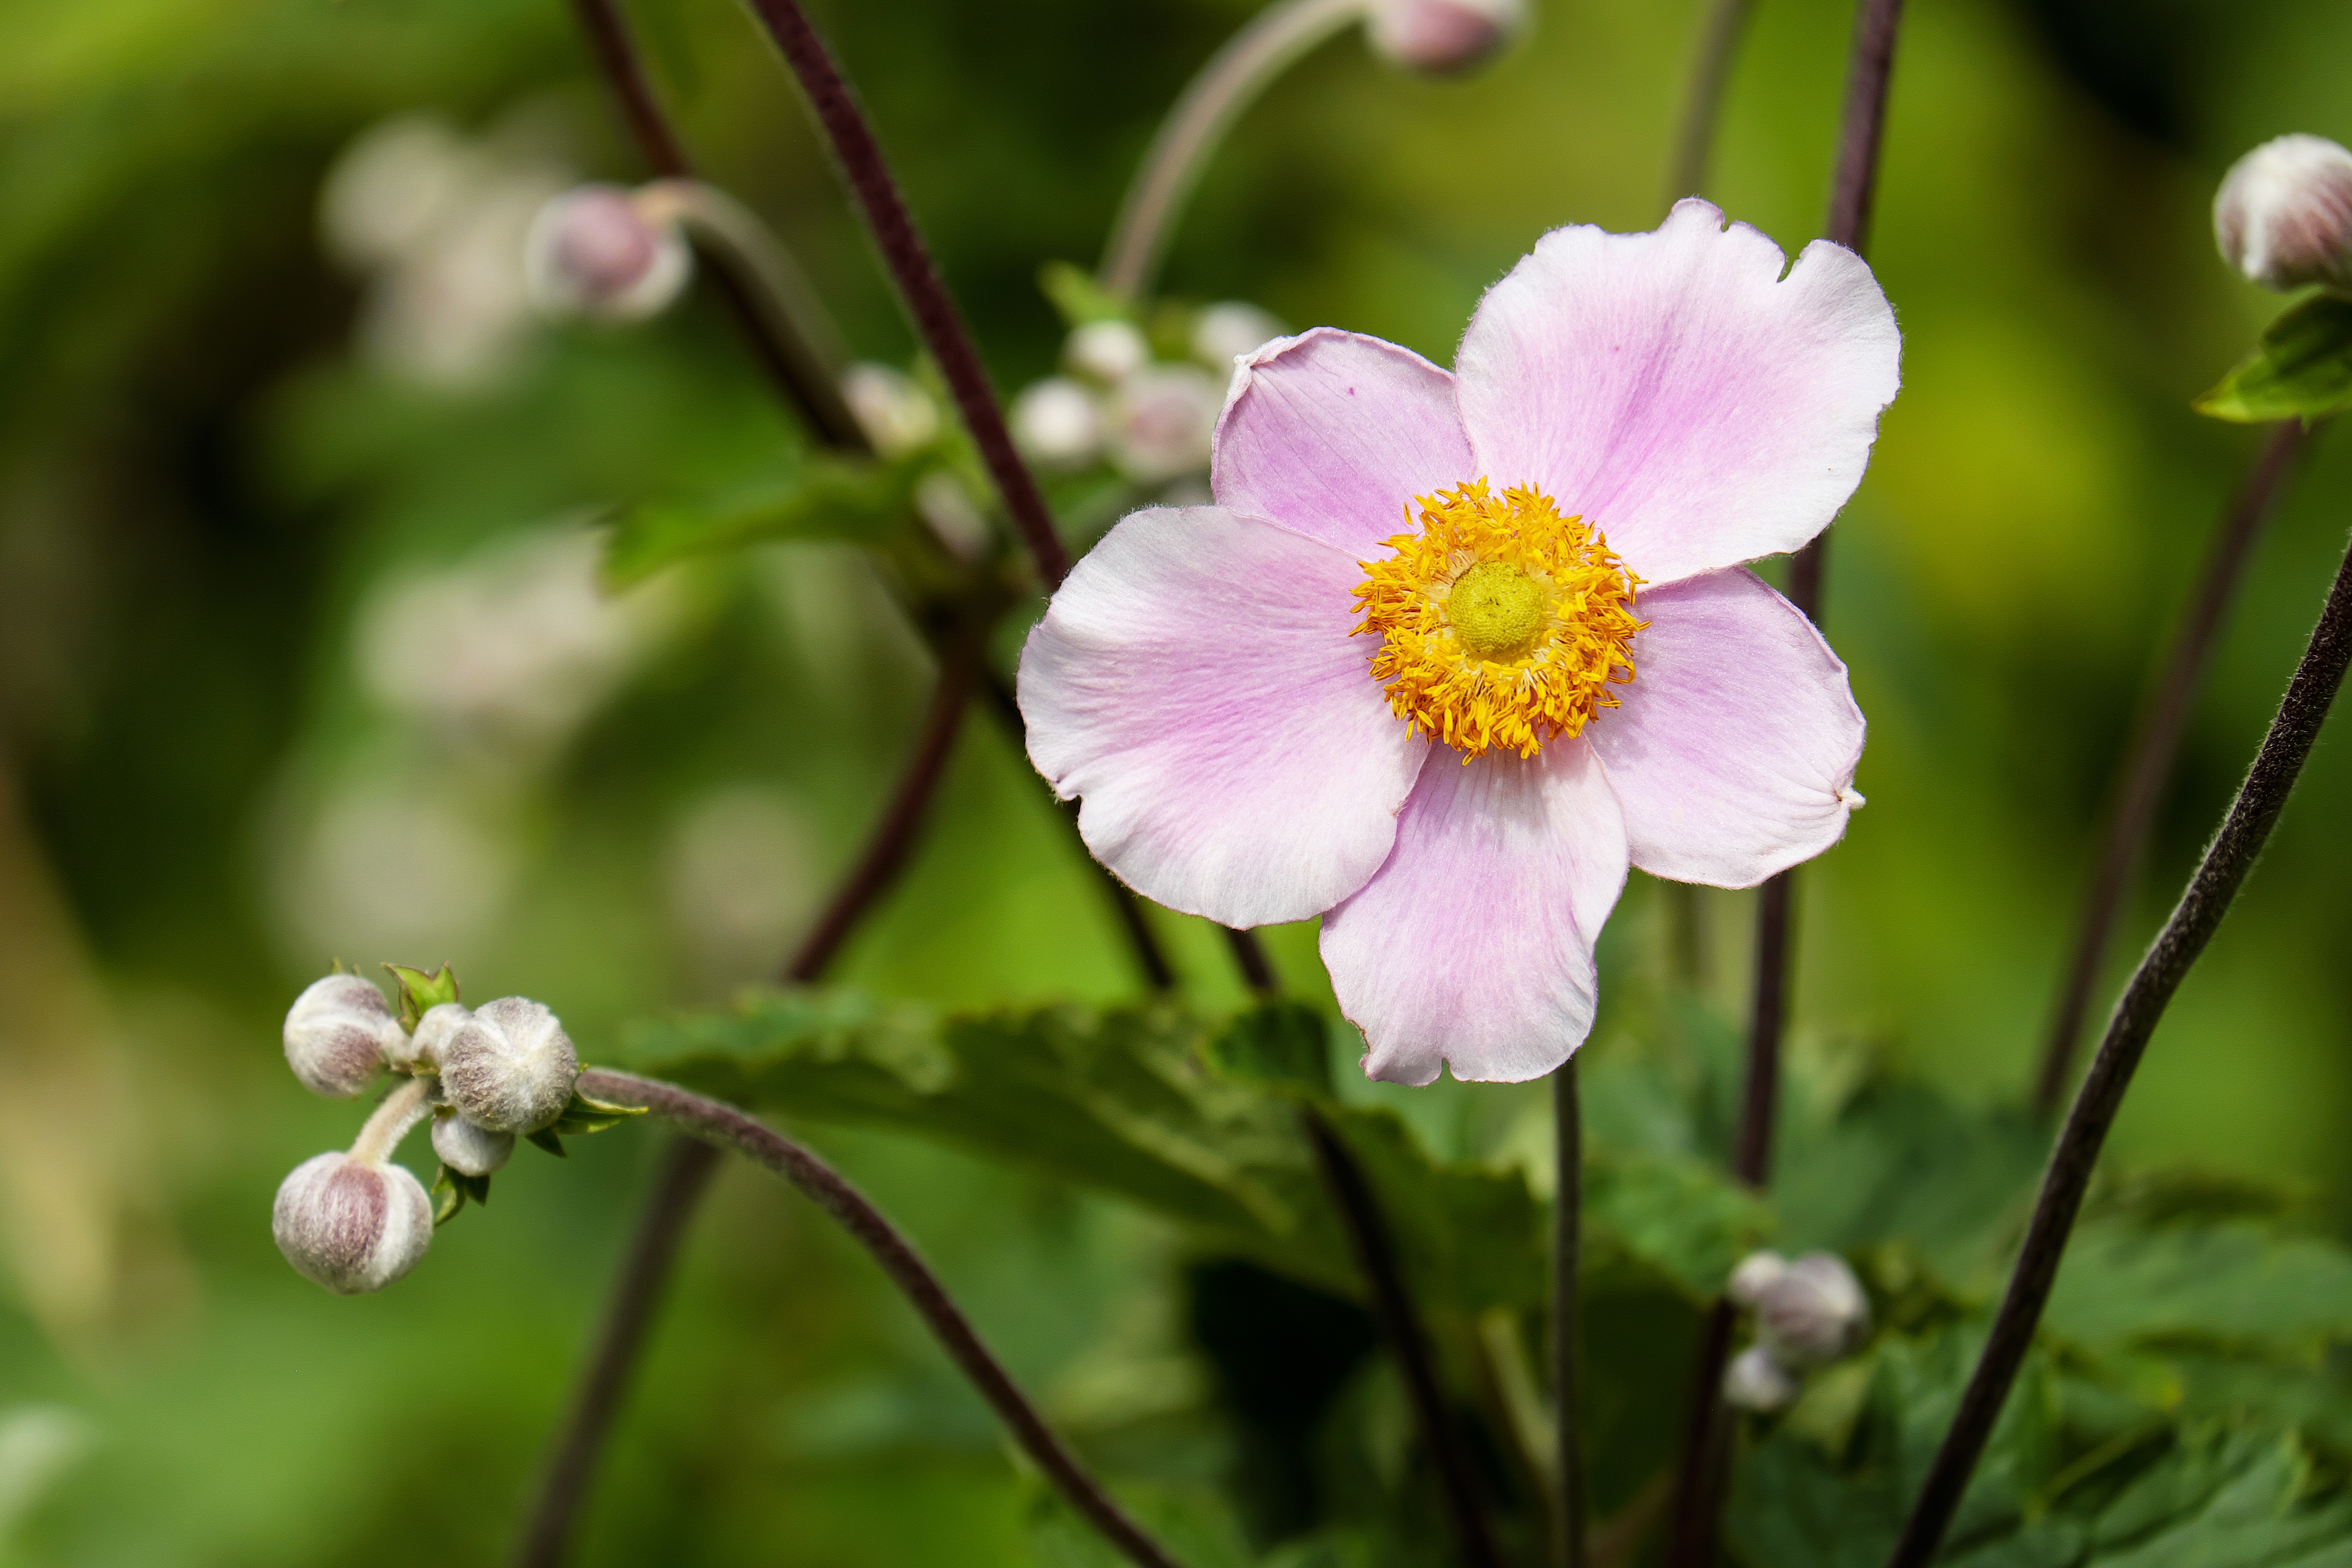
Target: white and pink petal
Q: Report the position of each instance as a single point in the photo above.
(1194, 684)
(1333, 434)
(1701, 408)
(1473, 945)
(1734, 753)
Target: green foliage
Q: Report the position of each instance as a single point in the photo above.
(810, 497)
(2300, 369)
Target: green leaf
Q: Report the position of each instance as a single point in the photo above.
(1680, 1216)
(1075, 293)
(2232, 1284)
(582, 1115)
(421, 992)
(857, 499)
(1283, 1044)
(2301, 368)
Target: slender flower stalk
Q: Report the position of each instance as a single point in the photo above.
(1701, 1482)
(937, 320)
(1719, 45)
(727, 1128)
(1250, 958)
(2228, 860)
(1250, 61)
(1567, 1313)
(1368, 1237)
(2156, 746)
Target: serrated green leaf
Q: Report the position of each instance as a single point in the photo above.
(2300, 369)
(829, 498)
(421, 992)
(1682, 1217)
(1282, 1044)
(2231, 1284)
(546, 1139)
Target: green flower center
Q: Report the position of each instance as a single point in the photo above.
(1496, 610)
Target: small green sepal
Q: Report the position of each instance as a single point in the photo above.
(450, 1188)
(586, 1115)
(2300, 369)
(421, 992)
(546, 1139)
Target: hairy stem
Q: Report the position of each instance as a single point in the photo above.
(685, 1170)
(1567, 1313)
(2206, 899)
(792, 363)
(1718, 44)
(402, 1110)
(725, 1126)
(1367, 1236)
(1181, 149)
(2156, 746)
(1707, 1448)
(937, 321)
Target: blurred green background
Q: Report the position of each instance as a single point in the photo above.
(237, 742)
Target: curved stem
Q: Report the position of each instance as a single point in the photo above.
(796, 368)
(1368, 1237)
(1568, 1312)
(1701, 1482)
(1251, 60)
(402, 1110)
(937, 321)
(2206, 899)
(728, 1128)
(687, 1169)
(1710, 75)
(2155, 746)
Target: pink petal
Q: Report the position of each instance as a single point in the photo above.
(1195, 683)
(1734, 753)
(1333, 433)
(1673, 388)
(1473, 944)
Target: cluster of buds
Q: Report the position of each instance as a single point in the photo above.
(355, 1220)
(2284, 216)
(607, 254)
(1151, 418)
(1809, 1313)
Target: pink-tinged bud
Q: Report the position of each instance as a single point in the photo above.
(339, 1035)
(351, 1225)
(1754, 1380)
(430, 1043)
(896, 414)
(509, 1068)
(1057, 422)
(591, 252)
(2284, 216)
(1442, 37)
(469, 1150)
(1808, 1313)
(1161, 419)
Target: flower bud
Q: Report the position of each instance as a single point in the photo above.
(1107, 352)
(351, 1225)
(1223, 332)
(1162, 420)
(1442, 37)
(1057, 423)
(954, 519)
(339, 1035)
(1807, 1312)
(2284, 216)
(896, 414)
(430, 1043)
(469, 1150)
(591, 252)
(509, 1068)
(1754, 1380)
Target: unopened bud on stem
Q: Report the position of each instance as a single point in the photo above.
(593, 251)
(352, 1224)
(1442, 37)
(339, 1033)
(1808, 1313)
(1754, 1380)
(509, 1068)
(469, 1150)
(2284, 216)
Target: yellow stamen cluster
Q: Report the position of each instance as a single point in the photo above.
(1501, 622)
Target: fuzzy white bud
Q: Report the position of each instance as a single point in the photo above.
(350, 1224)
(591, 252)
(1808, 1313)
(469, 1150)
(1108, 352)
(1162, 420)
(896, 414)
(1058, 423)
(1754, 1380)
(1223, 332)
(339, 1033)
(430, 1043)
(509, 1068)
(1442, 37)
(2283, 215)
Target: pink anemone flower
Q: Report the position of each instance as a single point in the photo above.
(1451, 651)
